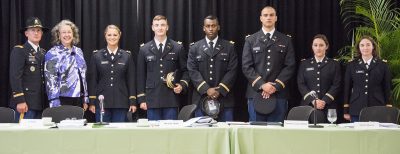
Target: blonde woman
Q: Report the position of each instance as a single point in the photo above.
(112, 74)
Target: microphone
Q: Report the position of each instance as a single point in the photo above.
(314, 95)
(101, 105)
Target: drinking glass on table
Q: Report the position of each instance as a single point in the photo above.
(332, 116)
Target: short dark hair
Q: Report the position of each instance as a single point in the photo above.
(271, 7)
(322, 37)
(211, 17)
(374, 50)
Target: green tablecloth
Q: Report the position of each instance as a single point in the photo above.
(215, 140)
(116, 141)
(314, 141)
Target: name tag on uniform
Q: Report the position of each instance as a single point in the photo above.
(121, 63)
(171, 53)
(32, 58)
(150, 58)
(224, 54)
(256, 48)
(104, 62)
(360, 71)
(310, 69)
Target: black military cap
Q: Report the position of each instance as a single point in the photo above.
(33, 22)
(264, 106)
(210, 107)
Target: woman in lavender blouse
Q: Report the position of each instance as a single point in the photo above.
(65, 68)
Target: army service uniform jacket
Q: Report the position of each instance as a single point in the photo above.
(114, 78)
(324, 78)
(366, 87)
(215, 68)
(26, 76)
(152, 70)
(268, 61)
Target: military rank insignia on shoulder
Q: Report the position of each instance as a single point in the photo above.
(19, 46)
(288, 35)
(335, 59)
(141, 45)
(95, 51)
(247, 36)
(127, 51)
(191, 43)
(303, 59)
(179, 42)
(231, 42)
(384, 60)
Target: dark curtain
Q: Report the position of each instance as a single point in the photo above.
(238, 18)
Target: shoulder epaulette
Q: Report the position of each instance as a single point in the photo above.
(289, 35)
(247, 36)
(95, 51)
(141, 45)
(335, 59)
(128, 51)
(231, 42)
(191, 43)
(179, 42)
(303, 59)
(384, 60)
(19, 46)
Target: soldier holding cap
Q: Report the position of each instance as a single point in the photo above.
(157, 59)
(212, 65)
(26, 72)
(268, 62)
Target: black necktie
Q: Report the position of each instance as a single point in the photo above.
(211, 46)
(268, 36)
(160, 48)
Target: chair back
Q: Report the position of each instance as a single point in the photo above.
(380, 114)
(187, 112)
(300, 113)
(7, 115)
(63, 112)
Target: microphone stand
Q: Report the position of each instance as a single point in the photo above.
(101, 104)
(315, 115)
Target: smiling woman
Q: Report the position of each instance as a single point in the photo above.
(112, 75)
(65, 68)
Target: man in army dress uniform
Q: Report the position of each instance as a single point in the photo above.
(268, 63)
(212, 65)
(26, 72)
(156, 60)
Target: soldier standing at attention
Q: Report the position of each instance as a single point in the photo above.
(156, 60)
(367, 81)
(212, 65)
(268, 63)
(26, 72)
(112, 74)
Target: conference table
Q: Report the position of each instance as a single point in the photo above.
(128, 138)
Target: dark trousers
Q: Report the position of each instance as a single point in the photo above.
(112, 114)
(169, 113)
(31, 114)
(278, 115)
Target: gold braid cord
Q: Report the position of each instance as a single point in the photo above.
(169, 79)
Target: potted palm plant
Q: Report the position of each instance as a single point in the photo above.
(381, 20)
